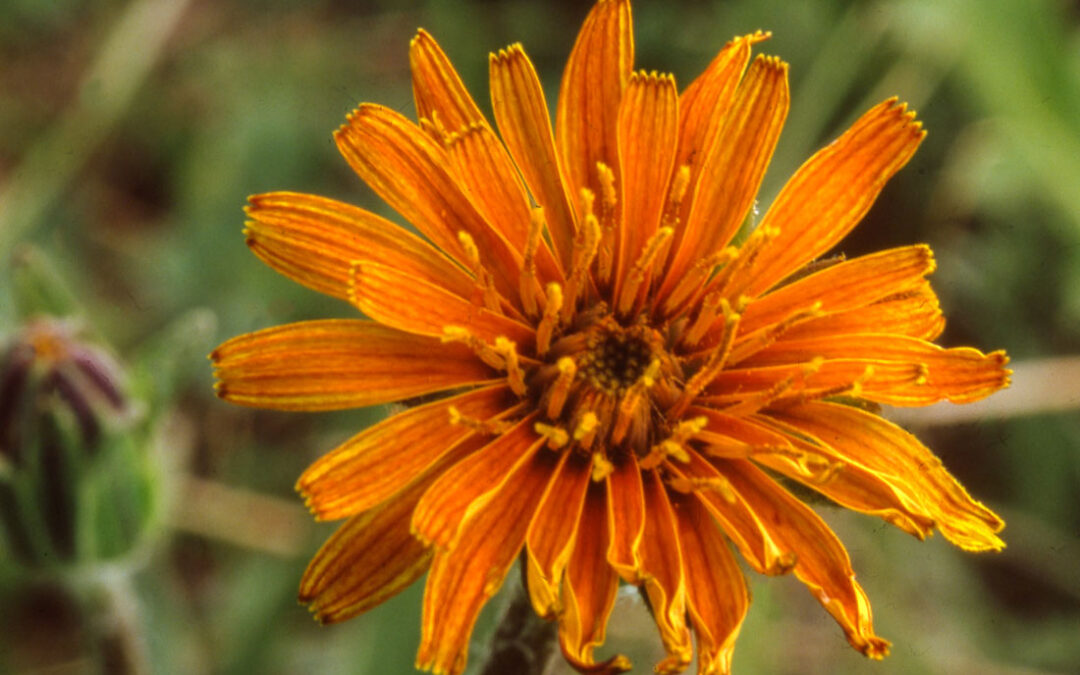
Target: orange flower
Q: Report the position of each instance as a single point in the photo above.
(608, 383)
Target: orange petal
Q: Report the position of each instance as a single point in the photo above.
(412, 173)
(626, 517)
(589, 591)
(521, 112)
(662, 569)
(414, 305)
(846, 285)
(706, 102)
(739, 522)
(373, 465)
(833, 190)
(551, 534)
(915, 313)
(339, 363)
(823, 564)
(471, 483)
(716, 593)
(877, 380)
(439, 93)
(960, 375)
(885, 447)
(314, 240)
(370, 558)
(486, 170)
(467, 576)
(592, 86)
(732, 172)
(647, 135)
(846, 481)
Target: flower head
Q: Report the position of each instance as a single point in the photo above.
(609, 385)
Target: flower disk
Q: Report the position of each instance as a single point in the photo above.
(611, 389)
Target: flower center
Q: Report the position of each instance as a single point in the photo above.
(615, 357)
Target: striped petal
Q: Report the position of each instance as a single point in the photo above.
(336, 364)
(314, 241)
(731, 174)
(413, 174)
(662, 570)
(551, 535)
(438, 91)
(472, 482)
(832, 191)
(647, 132)
(592, 87)
(716, 595)
(370, 558)
(408, 303)
(521, 112)
(822, 563)
(373, 465)
(846, 285)
(589, 591)
(883, 446)
(626, 518)
(468, 575)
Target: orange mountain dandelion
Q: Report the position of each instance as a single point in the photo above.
(613, 390)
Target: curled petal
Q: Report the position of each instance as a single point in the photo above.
(465, 577)
(370, 558)
(662, 570)
(822, 563)
(439, 93)
(883, 446)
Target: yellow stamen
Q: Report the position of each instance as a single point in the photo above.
(718, 484)
(483, 277)
(640, 271)
(489, 427)
(712, 306)
(482, 349)
(762, 338)
(607, 220)
(527, 281)
(601, 467)
(556, 436)
(561, 388)
(713, 366)
(586, 428)
(515, 376)
(586, 244)
(693, 282)
(550, 319)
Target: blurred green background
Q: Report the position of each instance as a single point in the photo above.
(132, 132)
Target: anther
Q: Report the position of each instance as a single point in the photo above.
(586, 429)
(711, 307)
(694, 279)
(556, 436)
(489, 427)
(482, 349)
(550, 319)
(713, 366)
(483, 278)
(515, 376)
(586, 244)
(601, 467)
(607, 219)
(718, 484)
(762, 338)
(641, 268)
(561, 387)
